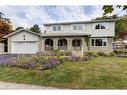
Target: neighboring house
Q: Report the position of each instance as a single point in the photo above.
(83, 36)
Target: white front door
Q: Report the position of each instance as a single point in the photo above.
(25, 47)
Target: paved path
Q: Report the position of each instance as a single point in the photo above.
(7, 85)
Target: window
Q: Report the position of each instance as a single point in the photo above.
(101, 26)
(56, 28)
(77, 27)
(99, 42)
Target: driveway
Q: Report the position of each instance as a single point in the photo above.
(7, 85)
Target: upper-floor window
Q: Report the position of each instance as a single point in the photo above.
(57, 28)
(101, 26)
(77, 27)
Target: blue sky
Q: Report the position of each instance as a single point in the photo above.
(27, 16)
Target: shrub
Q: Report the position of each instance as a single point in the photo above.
(28, 66)
(89, 54)
(83, 59)
(119, 52)
(112, 54)
(101, 54)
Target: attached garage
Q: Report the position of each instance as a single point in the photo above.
(23, 42)
(22, 47)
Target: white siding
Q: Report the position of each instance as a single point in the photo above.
(27, 46)
(89, 28)
(29, 36)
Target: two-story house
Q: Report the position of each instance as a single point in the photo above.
(82, 36)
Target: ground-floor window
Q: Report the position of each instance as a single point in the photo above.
(99, 42)
(76, 43)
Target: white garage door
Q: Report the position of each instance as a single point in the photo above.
(25, 47)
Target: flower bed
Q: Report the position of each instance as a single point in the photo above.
(41, 62)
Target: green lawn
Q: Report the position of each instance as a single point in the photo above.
(98, 73)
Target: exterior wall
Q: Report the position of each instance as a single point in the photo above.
(9, 45)
(106, 49)
(29, 37)
(1, 48)
(89, 28)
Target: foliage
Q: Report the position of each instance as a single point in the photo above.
(121, 27)
(120, 52)
(106, 17)
(35, 29)
(101, 54)
(98, 73)
(110, 8)
(18, 28)
(5, 26)
(112, 54)
(89, 54)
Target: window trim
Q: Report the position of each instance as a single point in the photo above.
(101, 23)
(56, 28)
(103, 40)
(83, 27)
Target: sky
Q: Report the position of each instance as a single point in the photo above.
(27, 16)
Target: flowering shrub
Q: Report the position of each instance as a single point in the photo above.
(73, 58)
(37, 61)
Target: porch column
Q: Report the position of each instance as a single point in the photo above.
(40, 44)
(84, 45)
(43, 44)
(69, 44)
(55, 43)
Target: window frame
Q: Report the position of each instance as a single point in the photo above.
(56, 26)
(103, 40)
(78, 25)
(101, 24)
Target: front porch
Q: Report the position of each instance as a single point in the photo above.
(67, 44)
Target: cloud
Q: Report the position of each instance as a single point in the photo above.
(27, 16)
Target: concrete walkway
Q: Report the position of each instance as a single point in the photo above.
(7, 85)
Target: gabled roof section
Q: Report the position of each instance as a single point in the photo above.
(20, 30)
(81, 22)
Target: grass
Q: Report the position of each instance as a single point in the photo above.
(98, 73)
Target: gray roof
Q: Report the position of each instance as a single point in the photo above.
(50, 34)
(64, 34)
(81, 22)
(20, 30)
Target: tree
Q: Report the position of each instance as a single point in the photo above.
(121, 27)
(5, 26)
(110, 8)
(107, 17)
(35, 29)
(18, 28)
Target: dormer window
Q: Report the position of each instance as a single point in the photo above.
(77, 27)
(57, 28)
(101, 26)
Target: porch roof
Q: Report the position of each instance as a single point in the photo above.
(65, 34)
